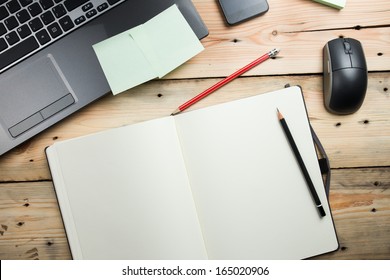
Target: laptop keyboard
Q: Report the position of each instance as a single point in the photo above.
(26, 26)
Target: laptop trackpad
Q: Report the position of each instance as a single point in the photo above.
(33, 94)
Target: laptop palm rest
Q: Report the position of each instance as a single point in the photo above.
(48, 93)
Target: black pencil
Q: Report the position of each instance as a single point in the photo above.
(309, 182)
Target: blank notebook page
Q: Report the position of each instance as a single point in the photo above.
(251, 197)
(127, 196)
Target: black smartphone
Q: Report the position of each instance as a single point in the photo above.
(236, 11)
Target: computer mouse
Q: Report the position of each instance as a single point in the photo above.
(345, 75)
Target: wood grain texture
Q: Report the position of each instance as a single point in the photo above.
(358, 145)
(30, 222)
(360, 202)
(300, 28)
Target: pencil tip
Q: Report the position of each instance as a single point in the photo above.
(177, 111)
(280, 116)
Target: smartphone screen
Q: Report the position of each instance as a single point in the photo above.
(236, 11)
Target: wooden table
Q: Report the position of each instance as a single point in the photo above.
(358, 145)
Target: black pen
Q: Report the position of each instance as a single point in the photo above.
(301, 165)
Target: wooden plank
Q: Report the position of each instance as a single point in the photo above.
(31, 226)
(360, 202)
(300, 29)
(301, 52)
(30, 223)
(360, 139)
(302, 15)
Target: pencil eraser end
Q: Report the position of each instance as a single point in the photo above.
(338, 4)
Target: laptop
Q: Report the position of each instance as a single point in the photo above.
(48, 69)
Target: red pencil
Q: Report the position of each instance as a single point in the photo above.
(223, 82)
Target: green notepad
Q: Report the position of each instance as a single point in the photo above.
(147, 51)
(338, 4)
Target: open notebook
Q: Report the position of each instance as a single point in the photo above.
(216, 183)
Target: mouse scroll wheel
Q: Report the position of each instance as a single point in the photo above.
(347, 48)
